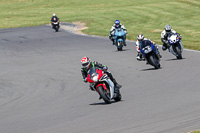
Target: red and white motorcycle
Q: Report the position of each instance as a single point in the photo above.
(102, 84)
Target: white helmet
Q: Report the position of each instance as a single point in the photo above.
(140, 37)
(85, 61)
(168, 28)
(54, 14)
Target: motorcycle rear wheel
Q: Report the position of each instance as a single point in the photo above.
(119, 97)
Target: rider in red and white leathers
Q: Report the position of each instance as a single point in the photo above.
(140, 38)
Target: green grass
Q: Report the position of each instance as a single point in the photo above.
(146, 16)
(195, 131)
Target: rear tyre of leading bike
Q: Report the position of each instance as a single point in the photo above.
(118, 97)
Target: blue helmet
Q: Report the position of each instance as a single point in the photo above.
(117, 22)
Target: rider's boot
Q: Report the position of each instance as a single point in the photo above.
(125, 43)
(139, 56)
(113, 41)
(116, 84)
(116, 90)
(113, 80)
(164, 47)
(159, 55)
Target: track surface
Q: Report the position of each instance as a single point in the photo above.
(41, 88)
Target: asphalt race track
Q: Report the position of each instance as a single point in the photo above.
(41, 87)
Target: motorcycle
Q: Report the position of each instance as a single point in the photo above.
(175, 45)
(102, 84)
(119, 38)
(150, 52)
(55, 26)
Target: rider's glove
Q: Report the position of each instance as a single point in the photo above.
(105, 68)
(165, 41)
(112, 33)
(179, 36)
(125, 31)
(85, 80)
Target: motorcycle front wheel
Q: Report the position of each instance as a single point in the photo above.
(119, 44)
(56, 28)
(154, 61)
(178, 51)
(104, 94)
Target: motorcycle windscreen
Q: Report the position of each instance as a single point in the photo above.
(94, 74)
(145, 46)
(144, 43)
(91, 73)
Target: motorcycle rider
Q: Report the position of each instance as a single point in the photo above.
(164, 36)
(112, 30)
(87, 64)
(54, 19)
(140, 38)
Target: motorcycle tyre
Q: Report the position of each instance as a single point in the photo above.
(153, 61)
(120, 46)
(56, 28)
(119, 97)
(103, 95)
(178, 51)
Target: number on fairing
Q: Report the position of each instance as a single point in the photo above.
(147, 49)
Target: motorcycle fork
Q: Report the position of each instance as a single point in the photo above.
(174, 49)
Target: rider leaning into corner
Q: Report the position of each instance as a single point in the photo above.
(141, 38)
(54, 18)
(117, 25)
(164, 36)
(87, 64)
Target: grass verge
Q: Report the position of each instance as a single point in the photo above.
(195, 131)
(147, 16)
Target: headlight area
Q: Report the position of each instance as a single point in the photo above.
(95, 78)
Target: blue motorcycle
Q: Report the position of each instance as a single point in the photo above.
(150, 53)
(119, 38)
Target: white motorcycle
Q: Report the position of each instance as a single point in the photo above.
(175, 45)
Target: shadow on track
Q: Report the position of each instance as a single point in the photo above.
(174, 59)
(122, 50)
(150, 69)
(103, 103)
